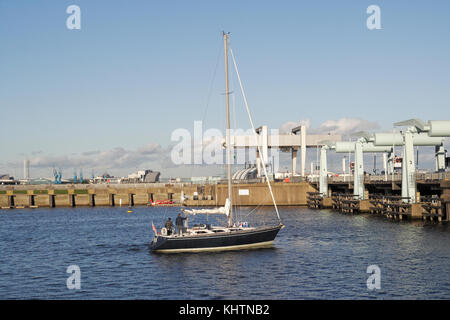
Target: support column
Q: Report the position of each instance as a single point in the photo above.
(303, 150)
(390, 162)
(408, 168)
(323, 176)
(440, 158)
(404, 174)
(344, 165)
(294, 160)
(264, 144)
(358, 185)
(258, 163)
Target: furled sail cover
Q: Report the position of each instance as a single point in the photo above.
(220, 210)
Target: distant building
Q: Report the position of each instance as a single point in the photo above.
(101, 179)
(7, 179)
(152, 176)
(39, 181)
(246, 174)
(282, 175)
(105, 178)
(143, 176)
(209, 180)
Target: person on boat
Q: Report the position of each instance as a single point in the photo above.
(180, 223)
(169, 226)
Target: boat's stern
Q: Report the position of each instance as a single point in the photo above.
(157, 242)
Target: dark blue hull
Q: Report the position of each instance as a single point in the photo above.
(241, 239)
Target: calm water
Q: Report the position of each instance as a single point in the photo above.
(320, 254)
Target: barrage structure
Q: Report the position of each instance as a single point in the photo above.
(405, 195)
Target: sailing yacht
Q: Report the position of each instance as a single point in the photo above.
(205, 237)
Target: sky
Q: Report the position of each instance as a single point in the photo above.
(108, 97)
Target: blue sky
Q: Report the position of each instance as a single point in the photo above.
(137, 70)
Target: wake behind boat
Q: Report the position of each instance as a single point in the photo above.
(215, 238)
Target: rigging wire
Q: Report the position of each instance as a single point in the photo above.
(208, 99)
(236, 208)
(255, 134)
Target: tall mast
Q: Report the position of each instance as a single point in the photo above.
(228, 140)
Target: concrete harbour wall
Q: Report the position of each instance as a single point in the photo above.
(143, 194)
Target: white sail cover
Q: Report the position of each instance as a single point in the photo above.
(221, 210)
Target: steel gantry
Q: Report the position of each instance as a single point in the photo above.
(293, 141)
(358, 148)
(418, 133)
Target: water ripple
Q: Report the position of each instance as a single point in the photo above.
(319, 255)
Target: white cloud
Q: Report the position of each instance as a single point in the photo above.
(149, 149)
(345, 126)
(342, 126)
(288, 126)
(89, 153)
(116, 158)
(120, 161)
